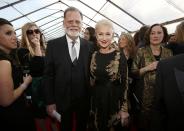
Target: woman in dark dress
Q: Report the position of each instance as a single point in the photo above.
(144, 67)
(32, 55)
(13, 112)
(127, 46)
(109, 80)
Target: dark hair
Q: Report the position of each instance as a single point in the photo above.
(166, 35)
(72, 9)
(136, 38)
(4, 22)
(142, 32)
(147, 34)
(170, 35)
(92, 36)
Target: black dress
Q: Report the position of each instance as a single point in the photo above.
(109, 78)
(33, 65)
(15, 117)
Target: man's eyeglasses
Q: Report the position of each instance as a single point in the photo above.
(30, 32)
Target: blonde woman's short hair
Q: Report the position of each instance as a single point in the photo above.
(104, 23)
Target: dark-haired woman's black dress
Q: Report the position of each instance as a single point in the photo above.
(15, 117)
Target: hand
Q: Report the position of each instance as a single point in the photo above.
(92, 82)
(124, 117)
(35, 41)
(37, 47)
(50, 109)
(27, 80)
(152, 66)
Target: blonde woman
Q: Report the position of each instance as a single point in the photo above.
(33, 39)
(109, 80)
(31, 56)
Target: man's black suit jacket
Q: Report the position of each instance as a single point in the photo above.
(57, 79)
(168, 110)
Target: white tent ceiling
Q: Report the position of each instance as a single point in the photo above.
(126, 15)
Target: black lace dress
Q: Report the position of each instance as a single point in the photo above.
(15, 117)
(109, 80)
(33, 65)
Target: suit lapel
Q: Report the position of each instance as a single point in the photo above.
(83, 55)
(179, 74)
(66, 50)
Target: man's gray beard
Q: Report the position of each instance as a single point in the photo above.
(72, 34)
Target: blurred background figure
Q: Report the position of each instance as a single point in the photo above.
(144, 67)
(136, 38)
(179, 33)
(177, 46)
(89, 35)
(141, 34)
(171, 38)
(14, 115)
(18, 43)
(127, 46)
(166, 35)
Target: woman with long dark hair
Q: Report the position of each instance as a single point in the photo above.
(14, 114)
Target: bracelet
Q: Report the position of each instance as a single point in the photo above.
(122, 109)
(23, 86)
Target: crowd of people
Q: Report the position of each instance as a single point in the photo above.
(89, 83)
